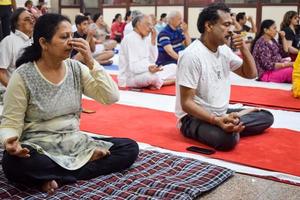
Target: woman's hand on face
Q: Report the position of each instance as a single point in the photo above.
(14, 148)
(83, 47)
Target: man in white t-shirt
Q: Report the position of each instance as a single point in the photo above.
(203, 84)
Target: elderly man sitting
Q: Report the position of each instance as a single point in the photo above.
(172, 39)
(138, 54)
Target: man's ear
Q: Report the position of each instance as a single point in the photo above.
(208, 26)
(43, 43)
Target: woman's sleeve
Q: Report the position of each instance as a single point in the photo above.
(99, 85)
(15, 105)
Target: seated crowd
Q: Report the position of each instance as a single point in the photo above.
(46, 66)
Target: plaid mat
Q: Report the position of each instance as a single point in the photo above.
(153, 176)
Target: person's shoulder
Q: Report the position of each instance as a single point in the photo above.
(9, 39)
(261, 40)
(165, 31)
(287, 30)
(194, 51)
(25, 68)
(129, 38)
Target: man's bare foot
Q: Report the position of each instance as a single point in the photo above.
(169, 82)
(49, 186)
(99, 153)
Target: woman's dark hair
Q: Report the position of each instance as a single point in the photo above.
(266, 24)
(127, 14)
(45, 27)
(96, 16)
(287, 18)
(210, 14)
(116, 17)
(15, 18)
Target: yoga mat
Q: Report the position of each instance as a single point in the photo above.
(276, 149)
(165, 90)
(154, 175)
(111, 67)
(250, 96)
(265, 97)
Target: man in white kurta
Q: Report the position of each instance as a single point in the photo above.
(11, 46)
(138, 54)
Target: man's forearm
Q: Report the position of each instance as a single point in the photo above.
(169, 49)
(248, 67)
(4, 77)
(91, 42)
(188, 39)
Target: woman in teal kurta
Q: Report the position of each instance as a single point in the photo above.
(42, 106)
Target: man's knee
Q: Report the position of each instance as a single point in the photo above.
(267, 118)
(227, 142)
(132, 149)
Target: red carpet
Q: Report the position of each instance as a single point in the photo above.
(250, 96)
(264, 97)
(276, 149)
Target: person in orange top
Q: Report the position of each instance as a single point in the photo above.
(116, 28)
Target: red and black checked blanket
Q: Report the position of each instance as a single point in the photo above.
(153, 176)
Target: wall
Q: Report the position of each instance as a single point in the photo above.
(192, 21)
(71, 13)
(166, 9)
(20, 3)
(276, 13)
(144, 9)
(109, 14)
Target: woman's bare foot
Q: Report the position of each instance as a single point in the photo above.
(153, 88)
(99, 153)
(49, 186)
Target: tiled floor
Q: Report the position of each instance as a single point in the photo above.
(243, 187)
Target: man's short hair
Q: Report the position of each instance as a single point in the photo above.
(135, 13)
(163, 15)
(87, 14)
(15, 18)
(137, 19)
(210, 14)
(29, 2)
(240, 16)
(79, 19)
(172, 14)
